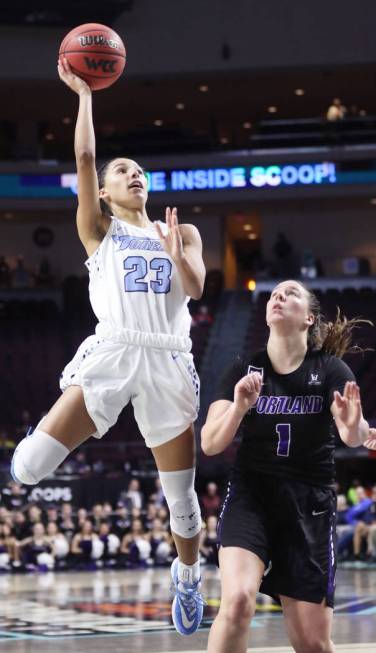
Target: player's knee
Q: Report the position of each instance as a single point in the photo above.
(239, 607)
(181, 497)
(185, 516)
(37, 456)
(312, 643)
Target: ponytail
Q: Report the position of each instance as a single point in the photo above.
(333, 337)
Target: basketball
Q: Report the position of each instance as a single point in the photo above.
(95, 53)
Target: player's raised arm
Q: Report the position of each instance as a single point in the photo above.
(224, 417)
(91, 223)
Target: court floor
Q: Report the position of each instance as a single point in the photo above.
(130, 611)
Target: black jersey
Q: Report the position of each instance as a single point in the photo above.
(290, 430)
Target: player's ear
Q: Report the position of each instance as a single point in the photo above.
(310, 319)
(103, 194)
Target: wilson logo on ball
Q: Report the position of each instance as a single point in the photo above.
(102, 64)
(95, 53)
(97, 40)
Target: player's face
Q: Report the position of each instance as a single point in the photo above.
(289, 305)
(125, 185)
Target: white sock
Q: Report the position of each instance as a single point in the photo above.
(189, 573)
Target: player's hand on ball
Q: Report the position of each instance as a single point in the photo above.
(247, 391)
(347, 408)
(172, 241)
(370, 443)
(74, 82)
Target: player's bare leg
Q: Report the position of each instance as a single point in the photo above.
(68, 420)
(308, 625)
(241, 574)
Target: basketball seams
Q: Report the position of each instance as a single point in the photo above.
(109, 54)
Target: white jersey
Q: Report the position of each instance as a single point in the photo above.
(134, 284)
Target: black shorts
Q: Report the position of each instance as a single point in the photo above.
(289, 525)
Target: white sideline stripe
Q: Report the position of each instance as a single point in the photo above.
(341, 648)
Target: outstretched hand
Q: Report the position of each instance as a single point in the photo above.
(347, 408)
(172, 241)
(75, 83)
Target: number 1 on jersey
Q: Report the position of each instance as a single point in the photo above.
(284, 438)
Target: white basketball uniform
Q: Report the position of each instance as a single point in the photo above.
(140, 350)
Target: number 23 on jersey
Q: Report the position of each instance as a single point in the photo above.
(137, 267)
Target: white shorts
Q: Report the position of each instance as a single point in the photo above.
(161, 383)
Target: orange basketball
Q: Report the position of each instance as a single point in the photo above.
(95, 53)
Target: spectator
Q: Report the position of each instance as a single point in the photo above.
(76, 465)
(135, 546)
(34, 516)
(67, 524)
(364, 531)
(337, 111)
(164, 515)
(352, 495)
(107, 511)
(36, 550)
(151, 514)
(14, 496)
(97, 515)
(133, 497)
(59, 544)
(86, 546)
(361, 509)
(157, 496)
(81, 516)
(354, 515)
(4, 515)
(345, 531)
(111, 544)
(20, 526)
(161, 543)
(52, 514)
(9, 553)
(122, 521)
(210, 501)
(208, 545)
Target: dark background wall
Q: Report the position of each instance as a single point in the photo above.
(166, 36)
